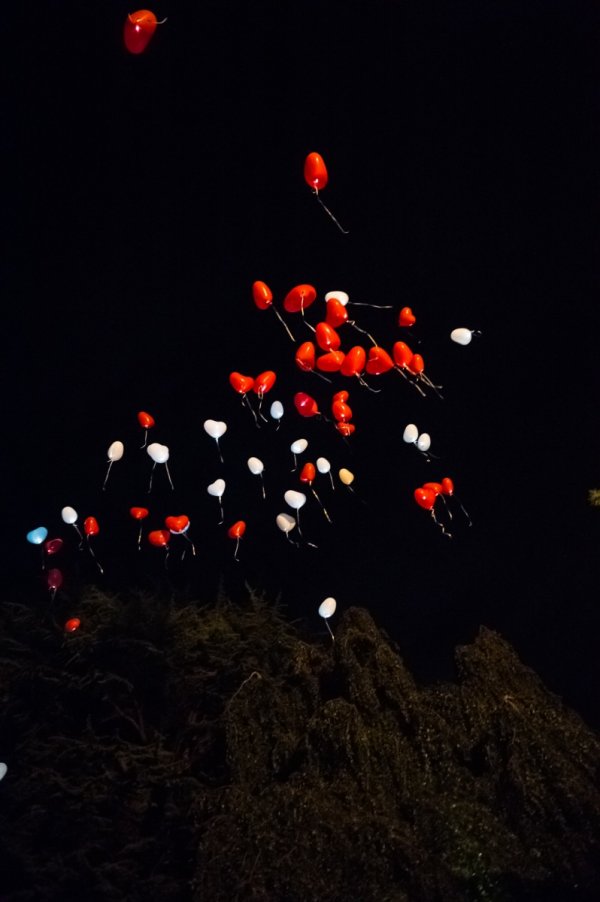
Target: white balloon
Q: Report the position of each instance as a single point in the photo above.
(424, 442)
(3, 770)
(159, 453)
(255, 466)
(327, 607)
(295, 499)
(215, 428)
(323, 465)
(340, 296)
(411, 434)
(277, 410)
(69, 515)
(461, 336)
(115, 451)
(346, 476)
(299, 446)
(216, 488)
(285, 522)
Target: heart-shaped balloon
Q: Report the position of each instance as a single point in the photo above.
(241, 384)
(37, 536)
(406, 317)
(305, 357)
(331, 362)
(215, 428)
(216, 488)
(425, 498)
(177, 525)
(341, 395)
(379, 362)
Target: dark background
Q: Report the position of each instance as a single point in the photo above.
(146, 194)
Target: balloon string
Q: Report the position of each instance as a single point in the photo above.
(139, 542)
(237, 545)
(145, 439)
(330, 633)
(375, 391)
(466, 514)
(151, 477)
(169, 475)
(251, 409)
(374, 306)
(410, 381)
(107, 475)
(187, 538)
(331, 480)
(329, 213)
(262, 479)
(219, 450)
(364, 331)
(96, 561)
(295, 467)
(283, 322)
(76, 528)
(428, 382)
(320, 375)
(222, 520)
(260, 400)
(441, 525)
(322, 506)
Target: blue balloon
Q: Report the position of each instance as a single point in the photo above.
(37, 536)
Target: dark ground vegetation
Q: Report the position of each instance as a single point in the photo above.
(172, 751)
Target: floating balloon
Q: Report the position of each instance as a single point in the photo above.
(91, 528)
(263, 298)
(138, 30)
(241, 384)
(426, 498)
(276, 411)
(406, 317)
(305, 405)
(236, 532)
(299, 298)
(298, 447)
(256, 467)
(448, 489)
(316, 177)
(307, 475)
(417, 368)
(462, 336)
(331, 362)
(354, 362)
(53, 546)
(177, 525)
(295, 499)
(286, 523)
(341, 411)
(115, 452)
(54, 580)
(410, 434)
(216, 429)
(336, 314)
(424, 442)
(323, 466)
(264, 383)
(346, 477)
(379, 361)
(139, 514)
(327, 610)
(341, 296)
(305, 357)
(146, 421)
(217, 490)
(159, 538)
(160, 455)
(326, 337)
(69, 516)
(37, 536)
(72, 625)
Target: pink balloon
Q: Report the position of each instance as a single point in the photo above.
(54, 579)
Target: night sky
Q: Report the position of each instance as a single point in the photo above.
(145, 194)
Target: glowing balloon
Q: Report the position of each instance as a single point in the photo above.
(327, 608)
(264, 382)
(410, 434)
(159, 538)
(308, 473)
(241, 384)
(425, 498)
(447, 486)
(54, 579)
(139, 513)
(337, 314)
(53, 546)
(379, 361)
(216, 428)
(69, 515)
(90, 526)
(461, 336)
(37, 536)
(72, 625)
(237, 530)
(315, 172)
(138, 30)
(354, 361)
(406, 317)
(145, 420)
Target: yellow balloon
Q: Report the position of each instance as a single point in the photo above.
(346, 476)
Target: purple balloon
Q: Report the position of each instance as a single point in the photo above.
(53, 545)
(54, 579)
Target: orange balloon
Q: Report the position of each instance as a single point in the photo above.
(308, 473)
(262, 295)
(90, 526)
(402, 354)
(315, 172)
(345, 428)
(354, 361)
(341, 395)
(406, 317)
(177, 525)
(337, 314)
(330, 362)
(425, 498)
(145, 420)
(305, 405)
(417, 364)
(237, 530)
(72, 625)
(305, 356)
(138, 30)
(139, 513)
(379, 362)
(341, 411)
(241, 384)
(299, 298)
(434, 486)
(159, 538)
(327, 338)
(264, 382)
(447, 486)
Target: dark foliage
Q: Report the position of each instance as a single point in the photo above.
(169, 751)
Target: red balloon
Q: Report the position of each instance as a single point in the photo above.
(406, 317)
(264, 382)
(354, 361)
(337, 314)
(299, 298)
(327, 338)
(379, 362)
(72, 625)
(90, 526)
(308, 473)
(425, 498)
(341, 411)
(159, 538)
(417, 364)
(341, 395)
(53, 545)
(330, 362)
(138, 30)
(262, 294)
(177, 525)
(145, 420)
(237, 530)
(345, 428)
(315, 172)
(54, 579)
(305, 356)
(139, 513)
(447, 486)
(434, 486)
(241, 384)
(402, 354)
(305, 405)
